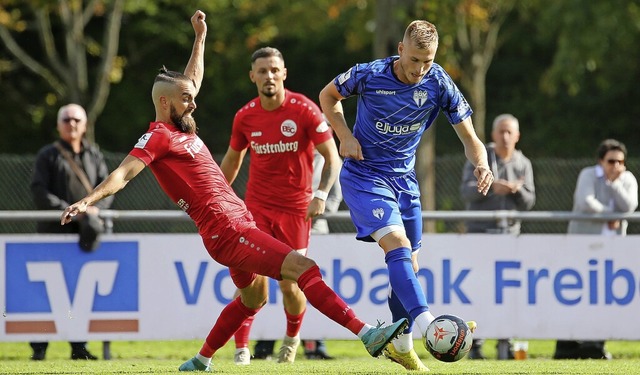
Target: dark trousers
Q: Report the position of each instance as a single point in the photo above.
(566, 349)
(41, 347)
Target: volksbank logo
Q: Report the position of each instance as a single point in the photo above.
(59, 285)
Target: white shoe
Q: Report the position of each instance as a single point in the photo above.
(242, 357)
(287, 353)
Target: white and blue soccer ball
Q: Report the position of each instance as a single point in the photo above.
(448, 338)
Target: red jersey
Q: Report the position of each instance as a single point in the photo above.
(281, 144)
(187, 173)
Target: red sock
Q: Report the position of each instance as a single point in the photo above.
(242, 334)
(327, 301)
(294, 322)
(229, 321)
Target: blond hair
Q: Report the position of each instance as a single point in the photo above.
(422, 33)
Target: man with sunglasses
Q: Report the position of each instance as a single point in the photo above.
(57, 182)
(607, 187)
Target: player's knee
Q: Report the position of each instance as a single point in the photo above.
(254, 301)
(295, 265)
(289, 289)
(256, 294)
(305, 263)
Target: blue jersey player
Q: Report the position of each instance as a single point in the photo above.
(399, 97)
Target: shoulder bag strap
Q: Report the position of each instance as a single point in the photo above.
(82, 176)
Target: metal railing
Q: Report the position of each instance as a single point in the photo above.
(503, 216)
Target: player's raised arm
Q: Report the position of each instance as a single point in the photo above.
(195, 66)
(116, 181)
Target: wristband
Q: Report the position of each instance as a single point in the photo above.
(322, 195)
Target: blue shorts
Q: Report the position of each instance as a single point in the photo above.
(376, 201)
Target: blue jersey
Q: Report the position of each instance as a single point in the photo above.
(392, 115)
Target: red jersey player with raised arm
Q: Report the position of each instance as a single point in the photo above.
(183, 166)
(280, 128)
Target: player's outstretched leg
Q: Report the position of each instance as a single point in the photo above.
(194, 365)
(408, 360)
(378, 337)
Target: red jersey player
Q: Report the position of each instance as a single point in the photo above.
(281, 128)
(187, 173)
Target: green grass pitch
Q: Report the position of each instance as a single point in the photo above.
(164, 357)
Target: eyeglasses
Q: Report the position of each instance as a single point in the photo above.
(614, 161)
(69, 119)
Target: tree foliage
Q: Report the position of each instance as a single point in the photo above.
(75, 62)
(568, 69)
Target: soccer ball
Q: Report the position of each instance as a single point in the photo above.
(448, 338)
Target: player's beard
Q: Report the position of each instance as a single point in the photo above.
(270, 91)
(186, 123)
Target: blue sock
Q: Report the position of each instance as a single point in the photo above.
(398, 311)
(404, 282)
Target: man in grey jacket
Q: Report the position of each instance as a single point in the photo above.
(607, 187)
(512, 189)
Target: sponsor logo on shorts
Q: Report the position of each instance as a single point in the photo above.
(183, 204)
(378, 213)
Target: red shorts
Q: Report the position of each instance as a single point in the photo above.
(248, 253)
(291, 229)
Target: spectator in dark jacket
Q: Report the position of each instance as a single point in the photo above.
(65, 171)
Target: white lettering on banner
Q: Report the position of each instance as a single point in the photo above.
(510, 285)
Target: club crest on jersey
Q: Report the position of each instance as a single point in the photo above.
(288, 128)
(420, 97)
(378, 213)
